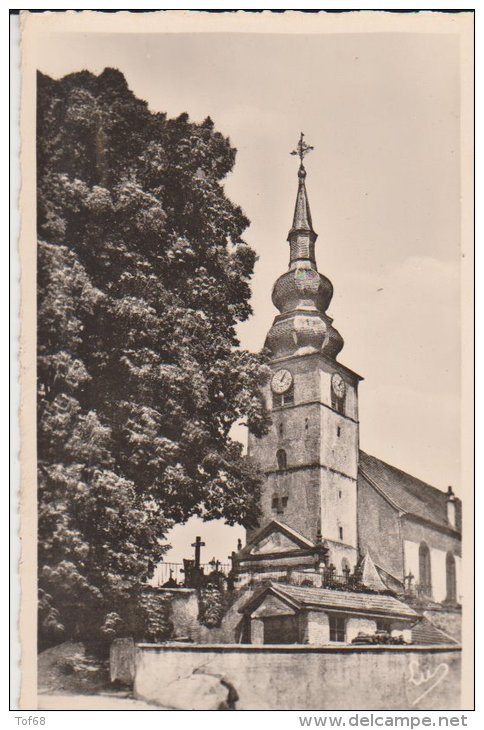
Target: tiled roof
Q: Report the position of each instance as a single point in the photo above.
(424, 632)
(409, 494)
(326, 598)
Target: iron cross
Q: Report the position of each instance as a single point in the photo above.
(302, 148)
(197, 545)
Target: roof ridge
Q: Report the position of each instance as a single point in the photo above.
(297, 594)
(440, 492)
(331, 591)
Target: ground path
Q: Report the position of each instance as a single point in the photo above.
(91, 702)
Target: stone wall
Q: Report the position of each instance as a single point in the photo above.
(379, 531)
(439, 543)
(338, 511)
(317, 627)
(447, 620)
(184, 610)
(313, 436)
(122, 661)
(304, 677)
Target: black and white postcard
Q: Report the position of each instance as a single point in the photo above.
(247, 360)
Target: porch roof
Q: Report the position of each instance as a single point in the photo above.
(302, 597)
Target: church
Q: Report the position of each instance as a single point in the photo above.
(347, 545)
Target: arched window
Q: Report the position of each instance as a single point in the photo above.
(425, 577)
(345, 567)
(281, 459)
(450, 577)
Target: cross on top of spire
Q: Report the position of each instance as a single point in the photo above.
(302, 148)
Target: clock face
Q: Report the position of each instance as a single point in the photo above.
(281, 381)
(338, 385)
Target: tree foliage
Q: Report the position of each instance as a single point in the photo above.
(142, 277)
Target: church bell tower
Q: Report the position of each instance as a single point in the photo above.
(310, 455)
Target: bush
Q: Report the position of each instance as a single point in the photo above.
(212, 606)
(379, 637)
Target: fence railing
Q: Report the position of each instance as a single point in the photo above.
(337, 581)
(316, 579)
(419, 590)
(166, 572)
(322, 580)
(173, 574)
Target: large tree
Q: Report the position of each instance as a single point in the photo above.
(142, 278)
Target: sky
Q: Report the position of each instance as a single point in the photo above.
(382, 112)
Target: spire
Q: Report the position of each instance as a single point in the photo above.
(302, 237)
(302, 214)
(302, 295)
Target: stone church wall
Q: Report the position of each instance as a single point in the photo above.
(300, 437)
(305, 495)
(379, 530)
(418, 532)
(339, 553)
(439, 543)
(339, 443)
(301, 488)
(326, 369)
(338, 508)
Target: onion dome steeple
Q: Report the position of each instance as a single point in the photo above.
(302, 294)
